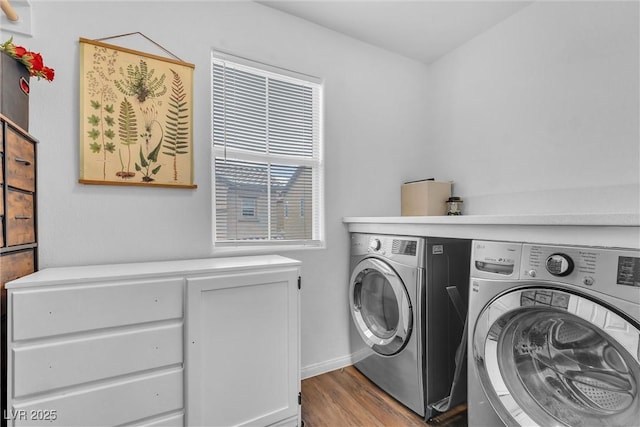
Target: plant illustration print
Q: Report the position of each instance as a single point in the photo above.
(101, 121)
(128, 133)
(139, 81)
(136, 117)
(146, 163)
(177, 123)
(149, 114)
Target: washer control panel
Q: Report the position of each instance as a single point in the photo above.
(407, 250)
(612, 271)
(495, 259)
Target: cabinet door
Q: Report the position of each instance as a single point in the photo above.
(242, 348)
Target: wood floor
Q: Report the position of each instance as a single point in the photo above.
(345, 397)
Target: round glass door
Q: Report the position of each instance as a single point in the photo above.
(380, 307)
(550, 357)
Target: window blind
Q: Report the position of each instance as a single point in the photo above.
(268, 158)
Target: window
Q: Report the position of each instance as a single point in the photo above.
(248, 207)
(267, 153)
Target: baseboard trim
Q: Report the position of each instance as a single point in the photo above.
(333, 364)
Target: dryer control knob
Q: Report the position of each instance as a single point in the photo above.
(588, 280)
(375, 244)
(531, 273)
(559, 265)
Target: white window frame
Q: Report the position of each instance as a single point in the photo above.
(317, 164)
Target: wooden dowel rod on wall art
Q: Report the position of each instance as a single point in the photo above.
(8, 10)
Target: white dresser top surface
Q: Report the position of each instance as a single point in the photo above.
(92, 273)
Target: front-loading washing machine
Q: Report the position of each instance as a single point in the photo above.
(554, 335)
(400, 308)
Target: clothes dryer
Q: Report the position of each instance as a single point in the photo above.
(400, 309)
(554, 335)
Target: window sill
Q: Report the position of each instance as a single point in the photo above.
(264, 249)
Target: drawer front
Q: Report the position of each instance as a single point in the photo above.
(44, 367)
(12, 266)
(20, 162)
(16, 264)
(56, 310)
(2, 239)
(106, 405)
(174, 420)
(20, 218)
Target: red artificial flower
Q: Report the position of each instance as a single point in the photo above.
(19, 51)
(36, 62)
(49, 73)
(32, 61)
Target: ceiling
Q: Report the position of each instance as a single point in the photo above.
(423, 30)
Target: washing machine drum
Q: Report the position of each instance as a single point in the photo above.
(380, 306)
(550, 357)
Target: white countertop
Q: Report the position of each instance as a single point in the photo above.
(92, 273)
(621, 230)
(616, 219)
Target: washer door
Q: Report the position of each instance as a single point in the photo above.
(380, 306)
(550, 357)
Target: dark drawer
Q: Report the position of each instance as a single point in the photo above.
(20, 218)
(1, 214)
(19, 162)
(14, 265)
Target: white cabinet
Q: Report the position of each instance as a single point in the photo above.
(242, 348)
(195, 342)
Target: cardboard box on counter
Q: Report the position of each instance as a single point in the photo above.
(425, 198)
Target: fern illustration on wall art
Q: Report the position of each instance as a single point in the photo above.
(177, 123)
(128, 133)
(136, 117)
(100, 134)
(139, 81)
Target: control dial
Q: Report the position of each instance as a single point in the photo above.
(559, 265)
(375, 244)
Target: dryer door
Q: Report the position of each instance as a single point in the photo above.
(380, 306)
(551, 357)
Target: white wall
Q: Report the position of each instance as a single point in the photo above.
(375, 103)
(540, 114)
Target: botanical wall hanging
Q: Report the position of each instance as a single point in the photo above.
(136, 117)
